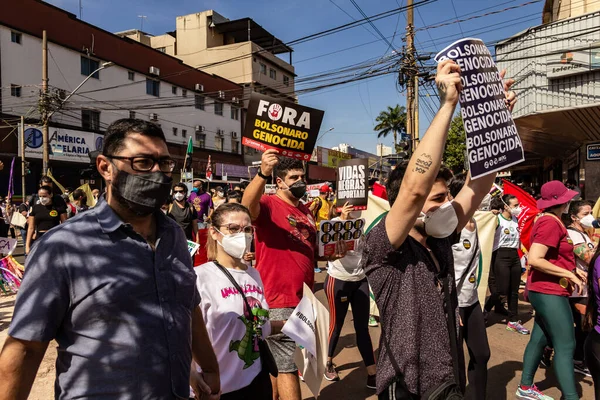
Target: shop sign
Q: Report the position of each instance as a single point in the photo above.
(593, 152)
(65, 144)
(330, 158)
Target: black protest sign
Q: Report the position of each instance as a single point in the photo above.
(352, 183)
(331, 233)
(493, 142)
(290, 128)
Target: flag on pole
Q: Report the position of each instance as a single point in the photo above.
(187, 163)
(528, 213)
(11, 185)
(208, 170)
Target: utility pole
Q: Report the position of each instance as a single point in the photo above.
(44, 104)
(23, 170)
(411, 76)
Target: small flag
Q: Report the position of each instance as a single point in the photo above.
(208, 170)
(187, 164)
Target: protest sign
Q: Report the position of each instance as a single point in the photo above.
(331, 232)
(300, 326)
(493, 142)
(290, 128)
(352, 183)
(192, 247)
(7, 245)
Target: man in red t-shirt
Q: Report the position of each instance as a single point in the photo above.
(286, 250)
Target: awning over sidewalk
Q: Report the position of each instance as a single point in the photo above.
(556, 133)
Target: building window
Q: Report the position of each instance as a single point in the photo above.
(130, 75)
(174, 131)
(200, 139)
(235, 146)
(286, 80)
(15, 37)
(162, 49)
(272, 73)
(90, 120)
(263, 68)
(199, 102)
(174, 89)
(235, 113)
(184, 92)
(184, 133)
(152, 87)
(88, 66)
(219, 143)
(132, 114)
(218, 108)
(15, 90)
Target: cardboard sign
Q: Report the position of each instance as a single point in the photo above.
(333, 231)
(493, 142)
(7, 245)
(192, 247)
(290, 128)
(352, 183)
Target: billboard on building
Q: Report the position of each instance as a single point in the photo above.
(65, 144)
(330, 158)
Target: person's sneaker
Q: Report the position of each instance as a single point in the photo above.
(330, 372)
(373, 321)
(318, 270)
(532, 393)
(581, 369)
(517, 327)
(372, 382)
(546, 360)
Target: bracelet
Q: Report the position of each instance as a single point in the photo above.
(265, 177)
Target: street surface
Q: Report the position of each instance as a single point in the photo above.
(504, 366)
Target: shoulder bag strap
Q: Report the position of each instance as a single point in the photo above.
(234, 282)
(466, 272)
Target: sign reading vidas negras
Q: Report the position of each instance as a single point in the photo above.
(290, 128)
(493, 142)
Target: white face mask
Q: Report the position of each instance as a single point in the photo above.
(442, 222)
(236, 245)
(44, 201)
(587, 221)
(221, 194)
(179, 196)
(515, 211)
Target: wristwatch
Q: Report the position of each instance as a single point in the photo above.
(265, 177)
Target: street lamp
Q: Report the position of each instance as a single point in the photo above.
(47, 115)
(324, 133)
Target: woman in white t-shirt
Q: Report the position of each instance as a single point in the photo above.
(579, 220)
(234, 330)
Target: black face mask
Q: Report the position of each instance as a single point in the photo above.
(298, 189)
(142, 194)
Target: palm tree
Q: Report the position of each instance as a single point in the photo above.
(392, 120)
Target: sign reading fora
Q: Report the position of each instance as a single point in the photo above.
(352, 183)
(493, 143)
(290, 128)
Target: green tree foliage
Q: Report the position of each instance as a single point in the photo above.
(454, 154)
(392, 120)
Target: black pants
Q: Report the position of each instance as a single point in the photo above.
(474, 334)
(592, 359)
(259, 389)
(580, 335)
(339, 295)
(507, 273)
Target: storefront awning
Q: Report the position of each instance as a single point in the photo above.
(557, 133)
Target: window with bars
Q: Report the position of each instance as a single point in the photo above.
(130, 75)
(235, 113)
(200, 139)
(235, 146)
(174, 89)
(184, 92)
(263, 68)
(132, 114)
(184, 133)
(174, 131)
(15, 37)
(90, 119)
(272, 73)
(286, 80)
(15, 90)
(219, 141)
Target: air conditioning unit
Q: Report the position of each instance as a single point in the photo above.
(233, 134)
(199, 87)
(154, 116)
(221, 94)
(199, 128)
(154, 71)
(234, 100)
(220, 132)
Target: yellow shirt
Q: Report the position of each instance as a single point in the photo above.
(323, 214)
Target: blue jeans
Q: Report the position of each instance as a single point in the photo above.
(24, 237)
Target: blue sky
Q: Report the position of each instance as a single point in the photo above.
(350, 109)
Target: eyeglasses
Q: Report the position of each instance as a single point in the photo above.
(146, 164)
(235, 228)
(178, 191)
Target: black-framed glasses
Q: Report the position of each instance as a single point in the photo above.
(235, 228)
(179, 191)
(146, 163)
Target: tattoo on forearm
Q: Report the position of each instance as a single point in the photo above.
(423, 163)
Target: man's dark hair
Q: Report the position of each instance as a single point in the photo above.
(287, 164)
(78, 194)
(456, 183)
(120, 129)
(394, 181)
(571, 182)
(46, 181)
(507, 198)
(234, 194)
(496, 204)
(182, 186)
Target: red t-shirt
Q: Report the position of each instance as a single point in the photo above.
(286, 239)
(548, 231)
